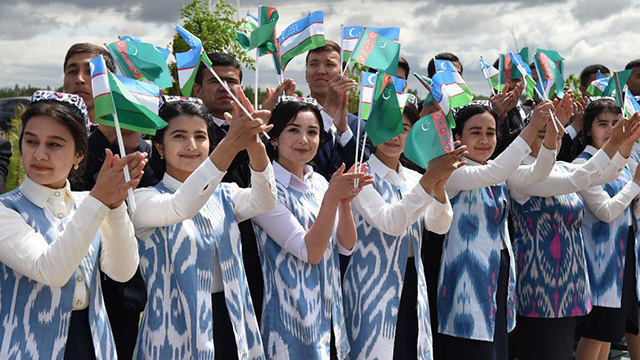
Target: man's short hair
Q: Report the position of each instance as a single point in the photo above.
(328, 46)
(632, 64)
(218, 59)
(591, 70)
(431, 68)
(86, 48)
(404, 65)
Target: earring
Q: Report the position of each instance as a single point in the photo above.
(161, 157)
(75, 167)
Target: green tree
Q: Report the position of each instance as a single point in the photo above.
(216, 29)
(573, 82)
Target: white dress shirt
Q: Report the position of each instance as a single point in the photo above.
(28, 253)
(570, 178)
(330, 128)
(393, 219)
(189, 197)
(604, 207)
(281, 225)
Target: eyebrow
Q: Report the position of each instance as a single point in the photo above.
(296, 125)
(55, 137)
(480, 128)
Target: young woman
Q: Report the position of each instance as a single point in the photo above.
(609, 240)
(552, 283)
(477, 273)
(300, 239)
(53, 241)
(385, 295)
(191, 256)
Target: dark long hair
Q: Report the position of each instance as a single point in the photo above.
(283, 114)
(467, 112)
(168, 112)
(67, 115)
(591, 112)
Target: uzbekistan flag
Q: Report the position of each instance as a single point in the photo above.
(526, 74)
(251, 22)
(490, 73)
(351, 34)
(189, 61)
(368, 84)
(599, 85)
(136, 103)
(631, 105)
(301, 36)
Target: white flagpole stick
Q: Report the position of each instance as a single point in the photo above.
(233, 96)
(123, 153)
(500, 71)
(364, 144)
(342, 48)
(544, 95)
(486, 76)
(255, 95)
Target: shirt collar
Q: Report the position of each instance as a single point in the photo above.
(171, 182)
(220, 122)
(288, 179)
(385, 172)
(39, 194)
(590, 150)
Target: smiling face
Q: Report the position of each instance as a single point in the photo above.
(77, 77)
(601, 128)
(479, 135)
(48, 151)
(321, 68)
(213, 94)
(298, 142)
(185, 145)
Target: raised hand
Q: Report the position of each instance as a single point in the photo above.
(288, 87)
(440, 168)
(564, 108)
(342, 115)
(341, 183)
(110, 188)
(338, 86)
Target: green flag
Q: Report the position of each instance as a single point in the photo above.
(377, 52)
(429, 137)
(617, 82)
(141, 61)
(385, 119)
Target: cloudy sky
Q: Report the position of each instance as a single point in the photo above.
(35, 34)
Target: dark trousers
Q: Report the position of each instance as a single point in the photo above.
(79, 343)
(224, 339)
(431, 257)
(462, 349)
(406, 342)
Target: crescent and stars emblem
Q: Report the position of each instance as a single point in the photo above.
(371, 79)
(426, 123)
(351, 32)
(382, 44)
(387, 97)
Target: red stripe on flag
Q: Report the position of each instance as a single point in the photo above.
(292, 35)
(96, 75)
(293, 48)
(103, 94)
(367, 46)
(546, 66)
(142, 94)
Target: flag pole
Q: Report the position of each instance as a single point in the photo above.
(486, 76)
(233, 96)
(255, 95)
(364, 144)
(500, 71)
(617, 80)
(123, 153)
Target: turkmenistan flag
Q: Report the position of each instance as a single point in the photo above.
(377, 52)
(302, 36)
(141, 61)
(551, 64)
(262, 37)
(385, 119)
(490, 73)
(631, 105)
(368, 84)
(599, 85)
(163, 51)
(189, 61)
(429, 137)
(617, 82)
(508, 70)
(351, 35)
(525, 72)
(135, 103)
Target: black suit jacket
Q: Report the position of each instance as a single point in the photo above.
(333, 154)
(5, 156)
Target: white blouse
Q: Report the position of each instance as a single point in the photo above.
(570, 178)
(157, 210)
(604, 207)
(394, 219)
(27, 252)
(281, 225)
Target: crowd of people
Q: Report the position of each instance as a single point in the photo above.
(513, 246)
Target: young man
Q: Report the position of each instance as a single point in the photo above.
(328, 86)
(589, 73)
(124, 301)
